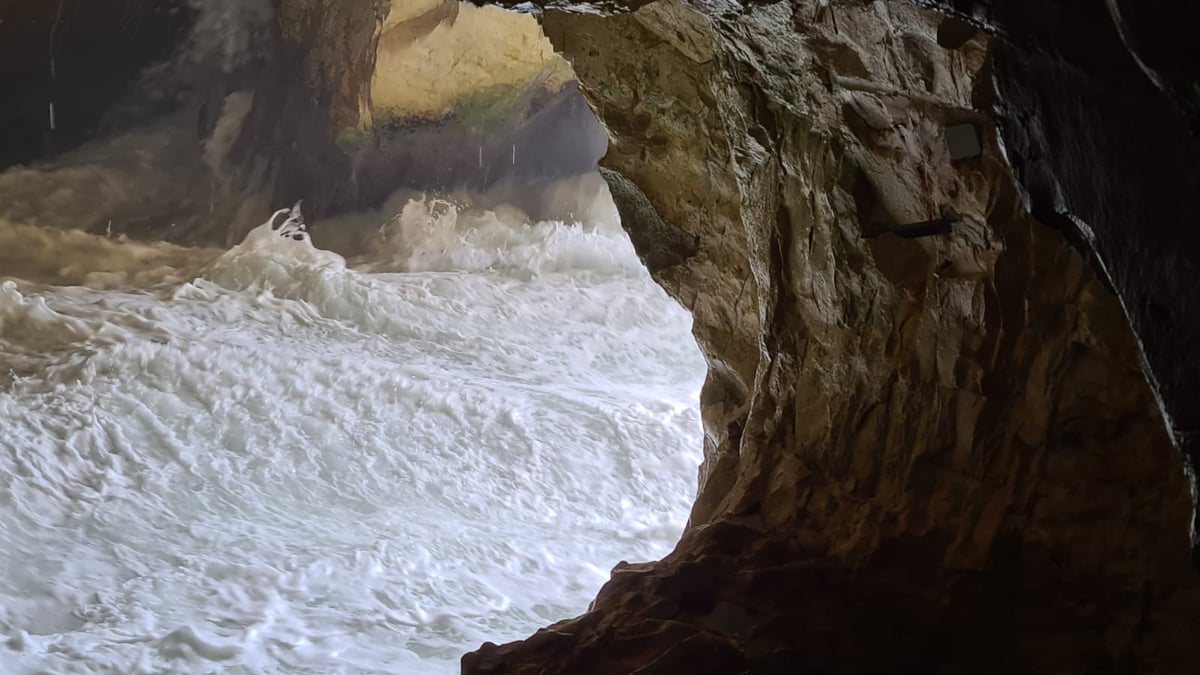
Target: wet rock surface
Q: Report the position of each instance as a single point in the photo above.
(930, 448)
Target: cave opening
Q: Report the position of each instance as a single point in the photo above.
(929, 248)
(432, 404)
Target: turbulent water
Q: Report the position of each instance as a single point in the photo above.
(272, 459)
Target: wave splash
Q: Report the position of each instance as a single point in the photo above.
(282, 458)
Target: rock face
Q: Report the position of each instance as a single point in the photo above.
(1116, 85)
(339, 121)
(930, 444)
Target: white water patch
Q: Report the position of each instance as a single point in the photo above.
(437, 235)
(272, 460)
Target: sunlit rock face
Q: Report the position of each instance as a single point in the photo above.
(223, 108)
(930, 443)
(469, 96)
(440, 59)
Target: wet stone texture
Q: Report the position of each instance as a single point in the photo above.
(931, 445)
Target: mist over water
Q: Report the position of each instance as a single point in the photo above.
(274, 458)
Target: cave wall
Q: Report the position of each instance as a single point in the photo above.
(82, 57)
(141, 86)
(932, 453)
(926, 451)
(1114, 85)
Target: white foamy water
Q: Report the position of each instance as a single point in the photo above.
(271, 460)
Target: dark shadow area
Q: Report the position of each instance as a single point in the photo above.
(1099, 105)
(65, 63)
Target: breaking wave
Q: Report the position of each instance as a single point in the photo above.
(285, 459)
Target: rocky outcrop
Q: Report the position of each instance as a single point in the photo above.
(149, 85)
(930, 444)
(364, 97)
(313, 85)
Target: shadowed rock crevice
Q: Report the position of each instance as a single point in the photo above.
(660, 245)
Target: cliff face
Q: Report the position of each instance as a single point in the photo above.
(930, 443)
(434, 64)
